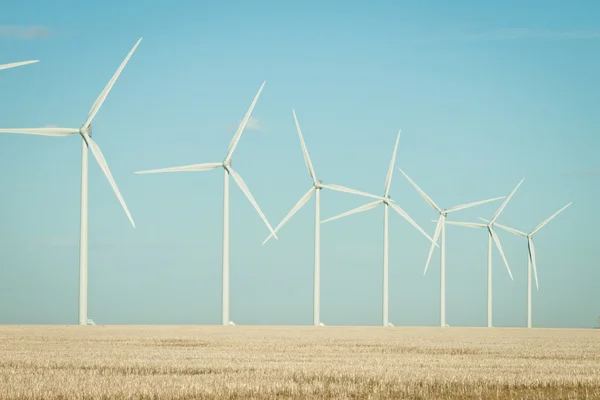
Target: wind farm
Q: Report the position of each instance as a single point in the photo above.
(196, 299)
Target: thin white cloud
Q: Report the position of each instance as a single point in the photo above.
(253, 124)
(531, 33)
(24, 32)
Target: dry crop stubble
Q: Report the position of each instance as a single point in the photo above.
(190, 362)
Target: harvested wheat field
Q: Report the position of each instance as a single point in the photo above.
(235, 362)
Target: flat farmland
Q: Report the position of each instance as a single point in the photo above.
(268, 362)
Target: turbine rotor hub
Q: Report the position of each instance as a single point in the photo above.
(85, 130)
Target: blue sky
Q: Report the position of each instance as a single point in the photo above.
(484, 94)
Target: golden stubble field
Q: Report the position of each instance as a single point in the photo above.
(236, 362)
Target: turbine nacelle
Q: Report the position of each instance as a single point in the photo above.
(85, 131)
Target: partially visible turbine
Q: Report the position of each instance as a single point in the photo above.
(316, 187)
(17, 64)
(227, 170)
(530, 254)
(491, 235)
(85, 131)
(386, 201)
(441, 229)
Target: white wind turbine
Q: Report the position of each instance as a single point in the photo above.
(85, 131)
(531, 255)
(227, 169)
(315, 188)
(441, 229)
(491, 235)
(17, 64)
(386, 201)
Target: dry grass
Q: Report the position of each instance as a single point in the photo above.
(167, 362)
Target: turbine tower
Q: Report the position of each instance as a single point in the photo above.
(386, 201)
(227, 170)
(491, 235)
(17, 64)
(441, 229)
(315, 188)
(85, 131)
(531, 255)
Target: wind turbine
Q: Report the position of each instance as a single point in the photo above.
(315, 188)
(17, 64)
(491, 235)
(386, 201)
(531, 255)
(85, 131)
(441, 229)
(228, 170)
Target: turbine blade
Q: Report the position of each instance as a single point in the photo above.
(345, 189)
(421, 192)
(242, 126)
(98, 103)
(532, 257)
(42, 131)
(412, 222)
(499, 246)
(506, 228)
(467, 224)
(303, 200)
(475, 203)
(356, 210)
(104, 166)
(388, 178)
(309, 165)
(438, 230)
(550, 218)
(185, 168)
(503, 205)
(240, 182)
(17, 64)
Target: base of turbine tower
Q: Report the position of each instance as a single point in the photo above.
(231, 323)
(89, 322)
(390, 324)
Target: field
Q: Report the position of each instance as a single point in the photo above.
(236, 362)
